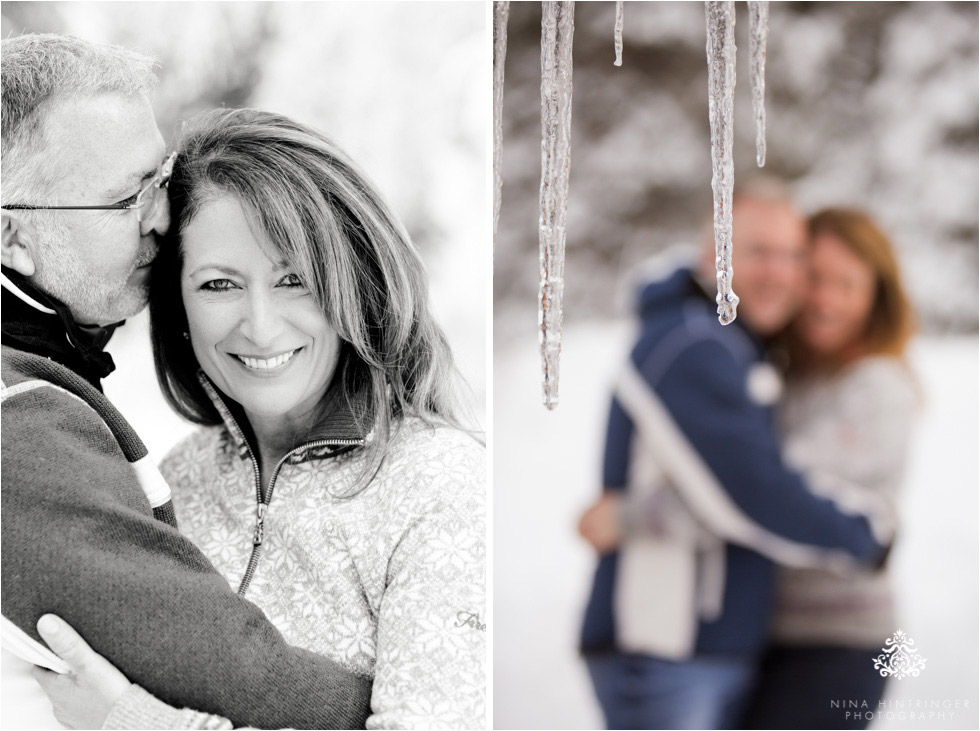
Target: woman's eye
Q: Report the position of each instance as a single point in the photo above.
(218, 285)
(291, 280)
(129, 201)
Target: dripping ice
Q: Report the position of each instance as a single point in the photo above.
(720, 19)
(618, 34)
(557, 25)
(758, 35)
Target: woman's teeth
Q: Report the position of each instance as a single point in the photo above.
(267, 364)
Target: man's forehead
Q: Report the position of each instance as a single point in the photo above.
(768, 219)
(105, 141)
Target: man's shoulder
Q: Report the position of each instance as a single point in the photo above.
(689, 334)
(14, 366)
(23, 373)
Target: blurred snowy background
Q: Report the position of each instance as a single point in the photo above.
(399, 85)
(872, 105)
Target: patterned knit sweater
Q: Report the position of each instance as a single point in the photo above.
(850, 434)
(390, 583)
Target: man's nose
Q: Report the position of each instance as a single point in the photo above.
(159, 220)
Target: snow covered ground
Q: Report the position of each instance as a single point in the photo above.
(546, 467)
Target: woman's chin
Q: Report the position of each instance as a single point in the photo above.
(822, 344)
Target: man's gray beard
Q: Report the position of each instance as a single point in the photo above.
(60, 273)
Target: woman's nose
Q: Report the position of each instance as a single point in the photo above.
(261, 323)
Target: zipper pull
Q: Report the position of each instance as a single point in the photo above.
(259, 524)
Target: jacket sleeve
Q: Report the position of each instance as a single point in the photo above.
(719, 451)
(79, 540)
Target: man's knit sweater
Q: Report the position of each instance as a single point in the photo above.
(81, 539)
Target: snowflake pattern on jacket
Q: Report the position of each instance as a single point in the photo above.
(390, 582)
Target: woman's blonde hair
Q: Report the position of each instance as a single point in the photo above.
(891, 321)
(328, 221)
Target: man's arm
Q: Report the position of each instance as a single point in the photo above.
(79, 540)
(718, 449)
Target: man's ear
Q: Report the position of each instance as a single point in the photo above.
(19, 242)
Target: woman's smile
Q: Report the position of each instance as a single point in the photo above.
(267, 366)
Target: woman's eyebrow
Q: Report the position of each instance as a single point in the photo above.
(217, 267)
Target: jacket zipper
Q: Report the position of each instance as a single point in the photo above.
(262, 502)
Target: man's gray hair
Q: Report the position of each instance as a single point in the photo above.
(41, 68)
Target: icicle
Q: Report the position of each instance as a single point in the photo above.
(618, 34)
(759, 33)
(501, 11)
(557, 24)
(720, 17)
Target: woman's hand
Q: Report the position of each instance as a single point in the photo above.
(83, 697)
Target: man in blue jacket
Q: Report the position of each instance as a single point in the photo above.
(674, 626)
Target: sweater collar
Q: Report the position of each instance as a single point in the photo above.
(38, 323)
(342, 423)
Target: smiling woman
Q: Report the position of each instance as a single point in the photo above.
(254, 326)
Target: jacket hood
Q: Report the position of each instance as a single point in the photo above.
(671, 288)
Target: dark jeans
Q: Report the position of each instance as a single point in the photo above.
(815, 687)
(643, 692)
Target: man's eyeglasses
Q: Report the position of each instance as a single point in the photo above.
(145, 202)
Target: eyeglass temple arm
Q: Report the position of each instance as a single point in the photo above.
(20, 207)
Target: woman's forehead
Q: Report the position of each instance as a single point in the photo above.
(224, 231)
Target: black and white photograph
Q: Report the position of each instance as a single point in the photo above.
(245, 266)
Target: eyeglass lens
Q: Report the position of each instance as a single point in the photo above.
(147, 201)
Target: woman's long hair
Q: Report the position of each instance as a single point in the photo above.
(891, 322)
(327, 220)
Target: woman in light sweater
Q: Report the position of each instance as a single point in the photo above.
(846, 417)
(330, 481)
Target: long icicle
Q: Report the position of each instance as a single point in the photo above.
(758, 35)
(557, 26)
(618, 34)
(501, 11)
(720, 18)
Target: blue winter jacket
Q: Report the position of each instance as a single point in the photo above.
(691, 398)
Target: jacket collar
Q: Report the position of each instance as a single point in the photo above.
(342, 424)
(38, 323)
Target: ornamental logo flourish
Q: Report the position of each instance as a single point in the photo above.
(899, 658)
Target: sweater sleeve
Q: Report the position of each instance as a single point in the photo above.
(137, 709)
(79, 540)
(719, 451)
(431, 646)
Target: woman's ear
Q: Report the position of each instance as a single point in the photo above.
(19, 241)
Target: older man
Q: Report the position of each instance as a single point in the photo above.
(675, 625)
(89, 532)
